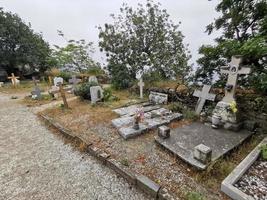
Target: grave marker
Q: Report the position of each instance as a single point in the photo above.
(92, 79)
(141, 84)
(36, 91)
(14, 79)
(62, 92)
(74, 81)
(203, 96)
(158, 98)
(58, 80)
(234, 70)
(96, 93)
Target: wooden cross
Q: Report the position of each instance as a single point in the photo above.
(13, 79)
(50, 81)
(233, 72)
(62, 92)
(141, 84)
(203, 96)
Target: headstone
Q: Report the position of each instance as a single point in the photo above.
(1, 84)
(203, 96)
(223, 114)
(36, 93)
(14, 79)
(141, 84)
(58, 80)
(93, 79)
(74, 81)
(202, 153)
(96, 93)
(158, 98)
(164, 132)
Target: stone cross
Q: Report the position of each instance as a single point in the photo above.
(203, 96)
(233, 73)
(14, 79)
(141, 84)
(74, 81)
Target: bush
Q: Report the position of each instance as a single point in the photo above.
(83, 90)
(107, 94)
(65, 75)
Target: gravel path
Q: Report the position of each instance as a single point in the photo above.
(36, 164)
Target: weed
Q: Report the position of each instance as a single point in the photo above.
(194, 196)
(125, 162)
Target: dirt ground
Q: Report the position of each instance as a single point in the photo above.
(141, 154)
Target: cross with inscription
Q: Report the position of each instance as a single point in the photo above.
(14, 79)
(203, 96)
(234, 69)
(141, 84)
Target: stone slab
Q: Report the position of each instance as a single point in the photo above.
(147, 185)
(130, 110)
(227, 185)
(127, 120)
(149, 123)
(183, 140)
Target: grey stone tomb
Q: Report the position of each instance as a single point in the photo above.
(203, 96)
(222, 114)
(158, 98)
(183, 142)
(96, 93)
(141, 84)
(92, 79)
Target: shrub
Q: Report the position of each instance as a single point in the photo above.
(83, 90)
(107, 94)
(65, 75)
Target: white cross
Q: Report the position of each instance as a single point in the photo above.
(203, 96)
(141, 84)
(233, 72)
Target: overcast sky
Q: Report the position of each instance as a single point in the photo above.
(78, 18)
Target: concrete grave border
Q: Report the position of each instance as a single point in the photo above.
(139, 181)
(227, 185)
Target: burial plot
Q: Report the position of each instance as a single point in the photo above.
(184, 141)
(203, 96)
(154, 116)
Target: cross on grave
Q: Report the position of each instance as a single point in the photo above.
(141, 84)
(74, 81)
(203, 96)
(233, 72)
(62, 92)
(14, 79)
(36, 90)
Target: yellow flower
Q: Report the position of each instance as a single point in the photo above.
(233, 107)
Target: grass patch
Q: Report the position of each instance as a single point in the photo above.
(220, 169)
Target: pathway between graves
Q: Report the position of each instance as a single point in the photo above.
(36, 164)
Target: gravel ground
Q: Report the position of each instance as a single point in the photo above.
(254, 182)
(35, 164)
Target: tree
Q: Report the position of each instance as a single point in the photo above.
(143, 40)
(244, 32)
(75, 56)
(20, 46)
